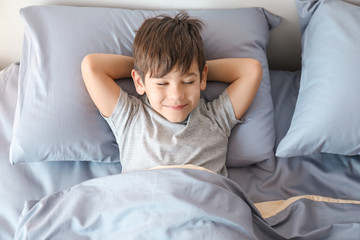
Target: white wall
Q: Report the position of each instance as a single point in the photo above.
(284, 46)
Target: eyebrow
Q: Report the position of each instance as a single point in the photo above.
(190, 74)
(187, 75)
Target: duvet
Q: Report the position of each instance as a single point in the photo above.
(153, 204)
(181, 203)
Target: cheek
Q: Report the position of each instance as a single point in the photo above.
(194, 93)
(155, 96)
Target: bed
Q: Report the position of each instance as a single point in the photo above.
(293, 164)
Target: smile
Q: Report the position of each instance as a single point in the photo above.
(177, 107)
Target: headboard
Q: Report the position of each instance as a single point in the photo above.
(284, 47)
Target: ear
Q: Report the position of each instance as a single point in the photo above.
(138, 82)
(204, 78)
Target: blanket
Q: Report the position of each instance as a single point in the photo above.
(181, 203)
(152, 204)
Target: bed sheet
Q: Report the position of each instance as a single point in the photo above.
(333, 177)
(23, 182)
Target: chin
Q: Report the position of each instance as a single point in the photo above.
(176, 119)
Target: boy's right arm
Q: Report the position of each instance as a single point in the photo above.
(99, 72)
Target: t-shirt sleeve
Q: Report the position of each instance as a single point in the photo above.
(125, 109)
(223, 112)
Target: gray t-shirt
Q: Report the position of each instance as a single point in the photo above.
(146, 139)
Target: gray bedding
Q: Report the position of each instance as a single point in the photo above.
(331, 175)
(312, 197)
(178, 204)
(152, 204)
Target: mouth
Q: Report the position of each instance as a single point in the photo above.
(176, 107)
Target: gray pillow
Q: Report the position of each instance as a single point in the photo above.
(327, 116)
(56, 119)
(284, 92)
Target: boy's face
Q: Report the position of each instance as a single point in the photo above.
(175, 95)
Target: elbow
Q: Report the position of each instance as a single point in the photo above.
(88, 66)
(252, 69)
(257, 70)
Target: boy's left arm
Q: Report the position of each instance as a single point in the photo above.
(244, 76)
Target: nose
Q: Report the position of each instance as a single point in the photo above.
(176, 92)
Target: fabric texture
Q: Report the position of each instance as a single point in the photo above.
(22, 182)
(155, 204)
(180, 204)
(284, 90)
(53, 103)
(326, 117)
(146, 139)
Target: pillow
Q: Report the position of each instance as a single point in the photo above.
(284, 92)
(326, 117)
(56, 119)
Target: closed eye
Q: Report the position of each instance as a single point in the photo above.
(189, 83)
(161, 84)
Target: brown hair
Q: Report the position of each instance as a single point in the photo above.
(163, 42)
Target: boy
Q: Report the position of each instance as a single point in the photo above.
(170, 124)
